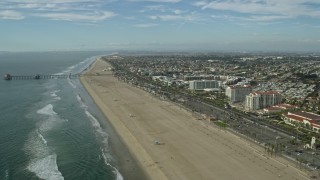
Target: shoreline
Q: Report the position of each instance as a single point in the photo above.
(124, 161)
(179, 132)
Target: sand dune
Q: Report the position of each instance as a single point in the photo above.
(189, 148)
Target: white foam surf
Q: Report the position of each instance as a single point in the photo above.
(47, 110)
(95, 123)
(42, 138)
(44, 161)
(46, 168)
(104, 139)
(72, 84)
(54, 95)
(82, 104)
(115, 170)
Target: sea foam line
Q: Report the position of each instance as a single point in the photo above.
(100, 134)
(72, 84)
(115, 170)
(96, 125)
(42, 138)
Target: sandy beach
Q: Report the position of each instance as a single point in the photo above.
(189, 148)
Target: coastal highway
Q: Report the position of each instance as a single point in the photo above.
(258, 130)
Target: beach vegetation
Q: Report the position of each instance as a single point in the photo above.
(221, 124)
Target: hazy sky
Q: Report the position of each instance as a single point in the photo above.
(267, 25)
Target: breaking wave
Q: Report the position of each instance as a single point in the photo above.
(47, 110)
(43, 160)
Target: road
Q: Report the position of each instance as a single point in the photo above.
(258, 130)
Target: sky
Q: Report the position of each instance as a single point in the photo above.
(160, 25)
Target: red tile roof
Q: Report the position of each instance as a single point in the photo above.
(273, 108)
(316, 125)
(297, 118)
(307, 115)
(300, 116)
(286, 106)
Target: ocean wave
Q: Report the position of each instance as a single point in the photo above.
(71, 67)
(57, 98)
(115, 170)
(101, 134)
(79, 67)
(72, 84)
(54, 95)
(42, 138)
(43, 161)
(82, 104)
(95, 123)
(46, 168)
(49, 119)
(104, 139)
(47, 110)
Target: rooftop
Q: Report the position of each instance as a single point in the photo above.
(267, 92)
(306, 115)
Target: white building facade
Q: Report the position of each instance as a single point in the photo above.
(308, 120)
(204, 84)
(238, 93)
(260, 100)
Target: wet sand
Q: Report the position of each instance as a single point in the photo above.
(189, 148)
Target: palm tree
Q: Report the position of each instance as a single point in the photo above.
(272, 149)
(265, 148)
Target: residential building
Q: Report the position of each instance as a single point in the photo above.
(204, 84)
(260, 100)
(201, 77)
(238, 93)
(303, 119)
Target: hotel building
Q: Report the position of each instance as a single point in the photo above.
(260, 100)
(204, 84)
(238, 93)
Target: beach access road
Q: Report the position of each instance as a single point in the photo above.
(170, 143)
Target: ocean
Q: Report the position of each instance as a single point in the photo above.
(50, 128)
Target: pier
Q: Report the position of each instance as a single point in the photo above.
(9, 77)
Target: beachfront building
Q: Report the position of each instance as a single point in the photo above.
(201, 77)
(304, 119)
(204, 84)
(260, 100)
(278, 108)
(238, 93)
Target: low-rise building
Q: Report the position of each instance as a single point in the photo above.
(278, 108)
(303, 119)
